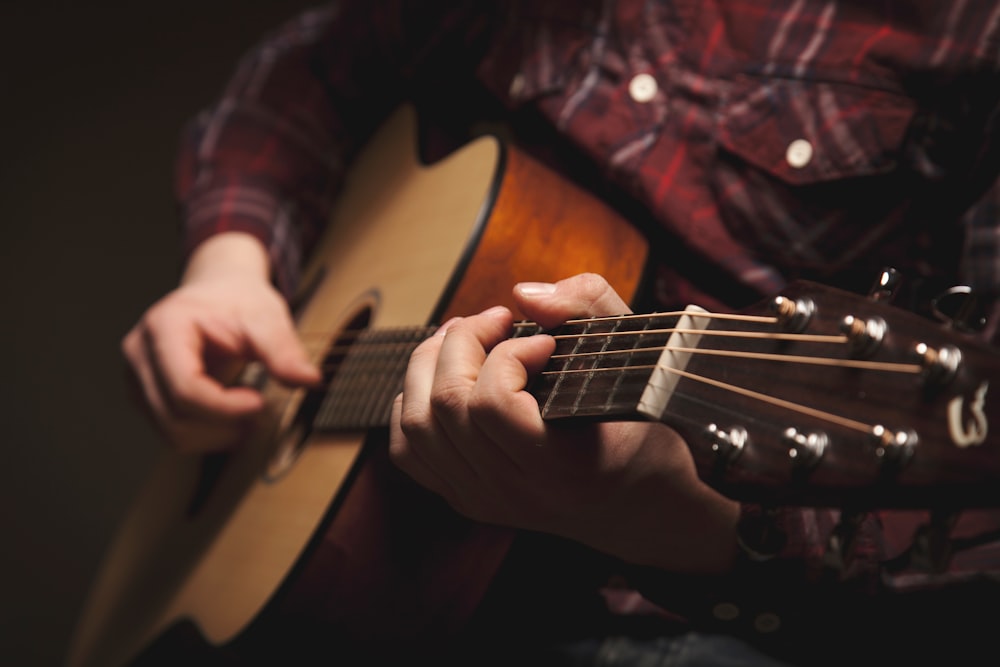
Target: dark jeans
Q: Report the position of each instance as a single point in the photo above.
(690, 649)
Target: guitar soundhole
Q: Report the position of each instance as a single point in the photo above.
(297, 430)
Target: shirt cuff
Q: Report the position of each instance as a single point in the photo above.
(247, 207)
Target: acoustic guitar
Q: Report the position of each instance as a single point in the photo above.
(218, 540)
(817, 396)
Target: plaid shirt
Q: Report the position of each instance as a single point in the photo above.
(766, 139)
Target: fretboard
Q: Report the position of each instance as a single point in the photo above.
(601, 367)
(365, 375)
(599, 371)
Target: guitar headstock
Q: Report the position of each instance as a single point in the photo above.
(826, 397)
(818, 397)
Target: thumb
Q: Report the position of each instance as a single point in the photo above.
(583, 295)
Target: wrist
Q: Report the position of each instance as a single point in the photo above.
(228, 254)
(698, 536)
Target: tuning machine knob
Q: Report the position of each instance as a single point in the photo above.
(940, 364)
(727, 445)
(886, 285)
(805, 449)
(960, 308)
(894, 448)
(793, 314)
(864, 336)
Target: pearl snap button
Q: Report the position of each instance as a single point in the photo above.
(726, 611)
(799, 153)
(767, 623)
(642, 87)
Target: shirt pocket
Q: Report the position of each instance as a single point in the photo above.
(807, 132)
(818, 176)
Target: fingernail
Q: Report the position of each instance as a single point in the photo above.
(495, 310)
(307, 368)
(536, 289)
(443, 329)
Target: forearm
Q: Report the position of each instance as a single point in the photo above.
(269, 158)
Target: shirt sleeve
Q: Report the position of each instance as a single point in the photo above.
(268, 157)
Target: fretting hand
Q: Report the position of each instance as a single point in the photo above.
(465, 428)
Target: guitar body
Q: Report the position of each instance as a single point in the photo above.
(310, 537)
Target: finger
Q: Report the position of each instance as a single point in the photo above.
(417, 424)
(499, 405)
(419, 446)
(462, 353)
(407, 457)
(435, 388)
(184, 434)
(177, 353)
(275, 342)
(141, 381)
(460, 356)
(584, 295)
(415, 415)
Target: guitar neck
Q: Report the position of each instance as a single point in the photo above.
(364, 372)
(795, 407)
(601, 370)
(818, 397)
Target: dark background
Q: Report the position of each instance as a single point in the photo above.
(92, 98)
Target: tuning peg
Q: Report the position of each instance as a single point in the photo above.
(727, 445)
(886, 285)
(960, 308)
(793, 315)
(805, 449)
(864, 336)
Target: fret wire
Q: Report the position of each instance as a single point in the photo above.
(581, 391)
(358, 394)
(371, 388)
(612, 392)
(554, 391)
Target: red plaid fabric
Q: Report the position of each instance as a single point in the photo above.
(766, 139)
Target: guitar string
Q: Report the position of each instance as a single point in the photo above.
(736, 389)
(786, 358)
(345, 346)
(773, 400)
(779, 402)
(765, 356)
(348, 337)
(353, 334)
